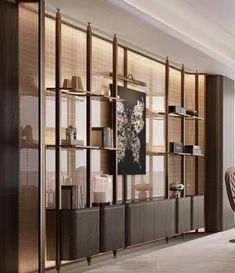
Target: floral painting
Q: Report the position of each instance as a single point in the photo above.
(131, 139)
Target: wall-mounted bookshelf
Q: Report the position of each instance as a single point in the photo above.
(99, 63)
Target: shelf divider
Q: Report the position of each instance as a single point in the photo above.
(57, 141)
(167, 67)
(88, 111)
(114, 115)
(124, 185)
(183, 128)
(196, 133)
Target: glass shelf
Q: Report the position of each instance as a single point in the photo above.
(85, 93)
(155, 153)
(154, 114)
(186, 116)
(194, 118)
(82, 147)
(186, 154)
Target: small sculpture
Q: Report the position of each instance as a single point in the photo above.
(27, 133)
(142, 187)
(71, 133)
(176, 188)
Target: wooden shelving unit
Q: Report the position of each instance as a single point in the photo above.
(173, 89)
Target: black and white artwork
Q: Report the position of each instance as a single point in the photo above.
(131, 138)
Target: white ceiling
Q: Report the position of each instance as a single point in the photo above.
(197, 33)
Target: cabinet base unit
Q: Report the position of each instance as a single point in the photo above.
(198, 212)
(112, 228)
(79, 233)
(140, 223)
(183, 218)
(165, 218)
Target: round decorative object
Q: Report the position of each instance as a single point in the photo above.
(142, 188)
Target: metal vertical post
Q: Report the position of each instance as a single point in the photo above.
(57, 142)
(41, 124)
(183, 127)
(88, 110)
(166, 128)
(196, 131)
(114, 120)
(124, 185)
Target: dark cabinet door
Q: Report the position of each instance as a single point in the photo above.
(183, 215)
(79, 233)
(140, 223)
(198, 212)
(165, 218)
(112, 228)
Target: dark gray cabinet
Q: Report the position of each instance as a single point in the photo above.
(112, 228)
(183, 217)
(140, 223)
(165, 218)
(79, 233)
(197, 212)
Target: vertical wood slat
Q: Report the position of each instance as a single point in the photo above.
(57, 122)
(88, 110)
(166, 129)
(114, 113)
(196, 132)
(183, 127)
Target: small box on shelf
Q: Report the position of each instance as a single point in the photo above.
(72, 142)
(175, 148)
(102, 137)
(178, 110)
(193, 149)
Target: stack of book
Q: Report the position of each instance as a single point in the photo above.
(72, 197)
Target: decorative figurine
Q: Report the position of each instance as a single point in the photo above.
(71, 133)
(176, 188)
(71, 137)
(142, 188)
(27, 133)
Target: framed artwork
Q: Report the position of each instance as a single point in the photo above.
(131, 132)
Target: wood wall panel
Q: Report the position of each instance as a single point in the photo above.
(189, 91)
(174, 87)
(220, 150)
(174, 130)
(49, 52)
(189, 132)
(189, 176)
(202, 97)
(201, 175)
(148, 71)
(175, 175)
(29, 167)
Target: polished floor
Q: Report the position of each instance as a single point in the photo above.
(196, 253)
